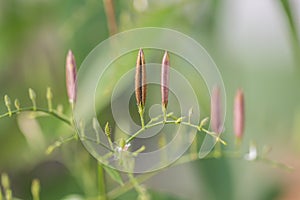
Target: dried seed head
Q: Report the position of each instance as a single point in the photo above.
(216, 110)
(239, 114)
(71, 75)
(165, 70)
(140, 79)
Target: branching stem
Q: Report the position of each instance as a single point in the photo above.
(36, 109)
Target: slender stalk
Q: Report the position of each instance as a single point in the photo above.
(135, 135)
(36, 109)
(60, 142)
(92, 140)
(101, 182)
(175, 122)
(135, 184)
(141, 113)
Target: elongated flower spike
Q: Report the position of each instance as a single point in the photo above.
(239, 114)
(216, 110)
(165, 70)
(140, 80)
(71, 75)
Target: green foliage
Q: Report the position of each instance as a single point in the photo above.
(34, 37)
(114, 174)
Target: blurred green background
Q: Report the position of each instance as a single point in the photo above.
(254, 43)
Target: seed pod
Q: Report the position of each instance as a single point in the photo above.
(216, 110)
(140, 79)
(239, 114)
(165, 68)
(71, 75)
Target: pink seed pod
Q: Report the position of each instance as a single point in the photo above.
(239, 114)
(140, 79)
(165, 71)
(71, 75)
(216, 110)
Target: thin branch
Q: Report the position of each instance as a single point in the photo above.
(35, 109)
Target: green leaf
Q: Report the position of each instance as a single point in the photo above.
(114, 174)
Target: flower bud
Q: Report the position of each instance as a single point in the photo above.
(122, 143)
(203, 122)
(8, 104)
(165, 68)
(5, 181)
(107, 130)
(35, 189)
(140, 79)
(239, 114)
(32, 97)
(71, 75)
(216, 110)
(32, 94)
(17, 104)
(49, 97)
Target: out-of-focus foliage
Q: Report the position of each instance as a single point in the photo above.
(252, 42)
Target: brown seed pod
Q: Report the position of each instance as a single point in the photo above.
(165, 71)
(140, 79)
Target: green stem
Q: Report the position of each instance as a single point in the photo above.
(218, 150)
(186, 159)
(92, 140)
(60, 142)
(141, 113)
(36, 109)
(101, 182)
(142, 178)
(149, 125)
(135, 183)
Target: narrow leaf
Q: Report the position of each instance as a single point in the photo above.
(114, 174)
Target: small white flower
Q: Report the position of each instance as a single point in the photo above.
(252, 155)
(119, 151)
